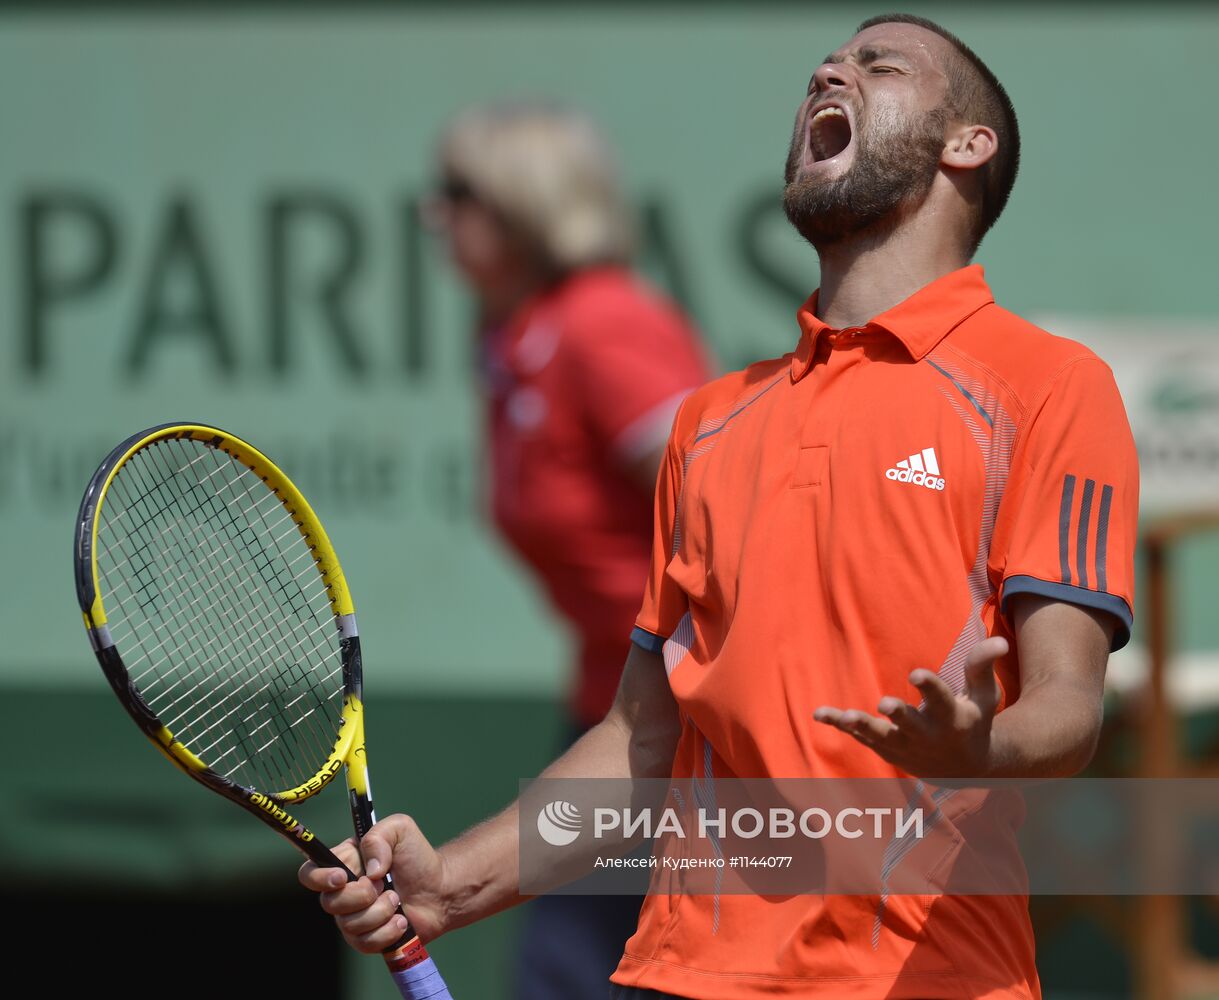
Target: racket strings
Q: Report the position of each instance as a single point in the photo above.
(276, 531)
(218, 608)
(217, 589)
(245, 746)
(211, 702)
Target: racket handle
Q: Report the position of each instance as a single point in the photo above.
(415, 973)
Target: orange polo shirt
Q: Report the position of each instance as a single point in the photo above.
(827, 522)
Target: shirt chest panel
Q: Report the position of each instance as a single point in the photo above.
(861, 482)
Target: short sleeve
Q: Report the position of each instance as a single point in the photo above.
(664, 602)
(1068, 522)
(631, 364)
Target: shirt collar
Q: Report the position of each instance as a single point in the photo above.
(919, 322)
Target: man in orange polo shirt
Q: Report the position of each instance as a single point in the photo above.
(905, 548)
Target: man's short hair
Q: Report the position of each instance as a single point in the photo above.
(975, 96)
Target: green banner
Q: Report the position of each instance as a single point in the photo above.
(210, 216)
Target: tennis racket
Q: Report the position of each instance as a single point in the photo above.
(221, 618)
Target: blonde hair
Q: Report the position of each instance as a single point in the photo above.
(549, 174)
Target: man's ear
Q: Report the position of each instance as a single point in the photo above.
(968, 147)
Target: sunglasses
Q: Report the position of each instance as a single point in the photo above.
(454, 191)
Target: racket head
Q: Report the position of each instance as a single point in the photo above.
(190, 541)
(219, 613)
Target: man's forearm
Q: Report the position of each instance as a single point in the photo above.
(1049, 732)
(482, 866)
(636, 739)
(1052, 728)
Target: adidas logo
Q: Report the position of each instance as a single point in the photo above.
(920, 469)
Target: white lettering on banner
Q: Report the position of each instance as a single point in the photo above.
(720, 823)
(877, 816)
(669, 823)
(624, 863)
(782, 823)
(749, 823)
(841, 828)
(826, 823)
(679, 864)
(738, 825)
(906, 823)
(605, 820)
(637, 825)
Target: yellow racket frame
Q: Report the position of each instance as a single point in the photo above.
(349, 744)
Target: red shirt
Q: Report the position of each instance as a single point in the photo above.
(584, 380)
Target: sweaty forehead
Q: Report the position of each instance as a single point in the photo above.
(922, 47)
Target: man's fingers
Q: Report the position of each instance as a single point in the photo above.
(938, 700)
(372, 917)
(377, 852)
(870, 727)
(980, 683)
(987, 651)
(904, 716)
(327, 879)
(352, 897)
(323, 879)
(391, 835)
(385, 936)
(864, 727)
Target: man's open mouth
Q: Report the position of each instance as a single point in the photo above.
(829, 133)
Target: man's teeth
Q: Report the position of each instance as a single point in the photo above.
(815, 133)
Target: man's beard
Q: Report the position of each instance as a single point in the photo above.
(894, 167)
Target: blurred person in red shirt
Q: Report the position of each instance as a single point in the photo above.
(584, 367)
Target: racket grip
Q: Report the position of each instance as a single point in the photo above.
(415, 973)
(410, 966)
